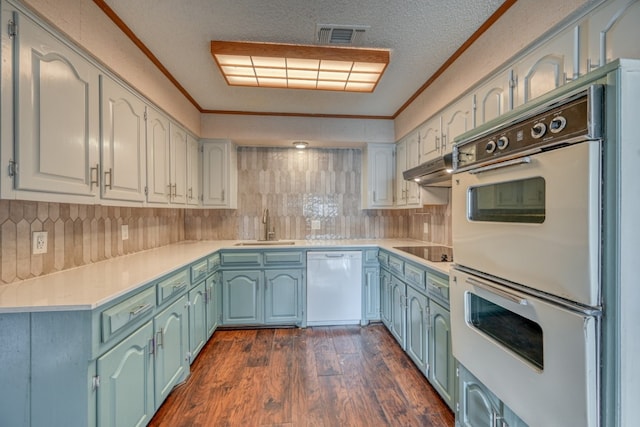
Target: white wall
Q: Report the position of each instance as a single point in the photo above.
(283, 130)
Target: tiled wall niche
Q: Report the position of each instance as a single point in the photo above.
(296, 187)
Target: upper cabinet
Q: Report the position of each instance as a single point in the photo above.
(494, 97)
(158, 178)
(378, 164)
(193, 171)
(407, 157)
(123, 142)
(457, 119)
(56, 118)
(219, 174)
(430, 134)
(178, 164)
(613, 32)
(547, 67)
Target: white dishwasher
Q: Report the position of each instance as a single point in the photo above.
(334, 287)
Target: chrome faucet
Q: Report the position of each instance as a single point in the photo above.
(268, 235)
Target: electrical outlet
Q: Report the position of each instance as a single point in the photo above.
(315, 224)
(125, 232)
(39, 242)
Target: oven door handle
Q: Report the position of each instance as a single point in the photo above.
(499, 292)
(494, 166)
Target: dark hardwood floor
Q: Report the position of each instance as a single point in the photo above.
(321, 376)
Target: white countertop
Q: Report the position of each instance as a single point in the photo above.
(92, 285)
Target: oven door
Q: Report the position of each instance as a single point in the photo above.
(540, 359)
(534, 221)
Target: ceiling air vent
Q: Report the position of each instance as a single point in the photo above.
(341, 34)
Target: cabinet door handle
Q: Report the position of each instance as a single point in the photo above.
(96, 174)
(444, 141)
(107, 183)
(190, 193)
(437, 143)
(160, 340)
(152, 347)
(175, 190)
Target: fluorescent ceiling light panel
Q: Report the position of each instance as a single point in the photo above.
(350, 69)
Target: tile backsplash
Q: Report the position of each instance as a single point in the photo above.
(302, 187)
(78, 234)
(298, 187)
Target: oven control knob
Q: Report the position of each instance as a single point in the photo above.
(490, 147)
(538, 130)
(557, 124)
(503, 142)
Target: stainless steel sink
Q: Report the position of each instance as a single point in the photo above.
(266, 243)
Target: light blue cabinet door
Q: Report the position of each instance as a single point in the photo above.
(441, 361)
(417, 328)
(478, 406)
(172, 345)
(283, 296)
(371, 293)
(385, 298)
(125, 395)
(197, 320)
(398, 310)
(242, 297)
(214, 301)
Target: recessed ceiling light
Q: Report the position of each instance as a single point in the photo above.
(294, 66)
(300, 144)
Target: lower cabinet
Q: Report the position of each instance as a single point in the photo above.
(419, 320)
(242, 297)
(385, 297)
(282, 296)
(257, 297)
(418, 329)
(171, 332)
(441, 362)
(135, 377)
(125, 394)
(213, 295)
(197, 320)
(371, 284)
(479, 407)
(398, 310)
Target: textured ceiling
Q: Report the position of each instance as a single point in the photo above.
(422, 35)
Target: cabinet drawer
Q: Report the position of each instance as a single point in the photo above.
(383, 258)
(172, 285)
(199, 270)
(240, 258)
(438, 287)
(214, 262)
(415, 276)
(370, 256)
(127, 312)
(396, 265)
(283, 258)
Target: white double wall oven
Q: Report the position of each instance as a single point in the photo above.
(525, 290)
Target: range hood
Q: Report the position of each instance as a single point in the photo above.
(434, 173)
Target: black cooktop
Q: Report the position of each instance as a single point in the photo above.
(430, 253)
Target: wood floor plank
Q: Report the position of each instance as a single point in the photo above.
(325, 377)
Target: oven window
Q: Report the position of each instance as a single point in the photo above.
(520, 201)
(520, 335)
